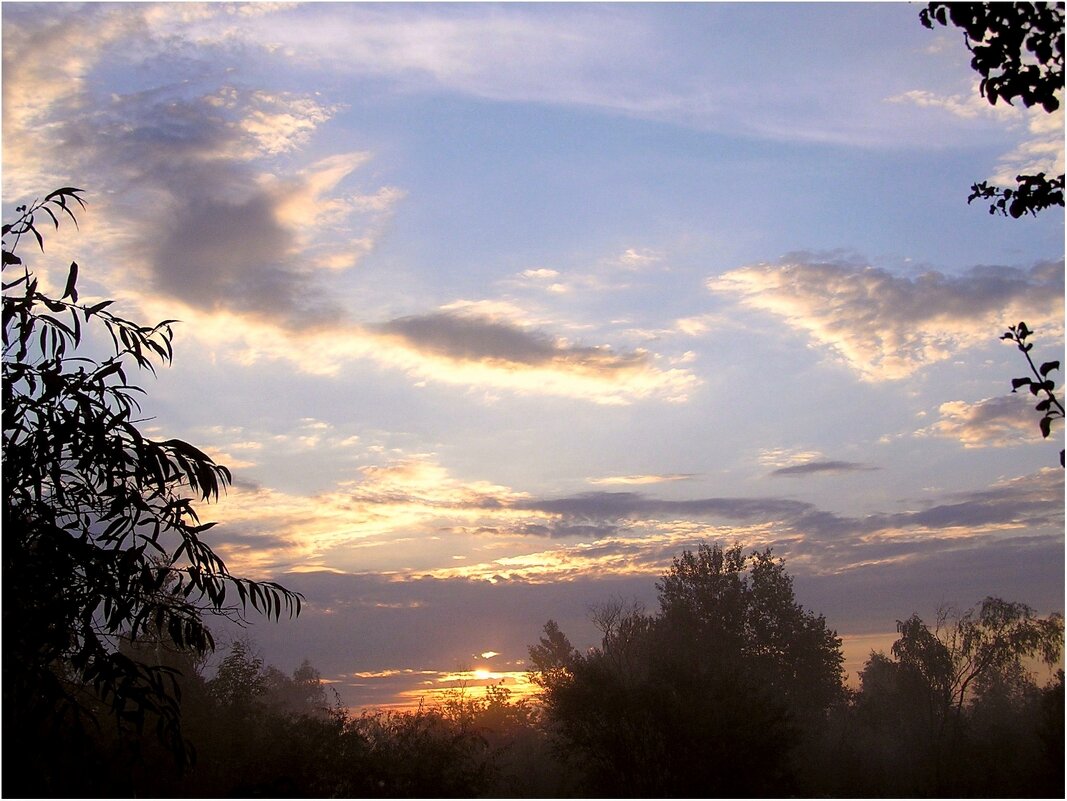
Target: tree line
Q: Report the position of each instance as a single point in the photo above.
(730, 688)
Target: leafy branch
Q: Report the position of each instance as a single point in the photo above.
(1033, 193)
(1049, 405)
(1017, 48)
(101, 542)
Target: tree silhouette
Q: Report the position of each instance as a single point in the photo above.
(1017, 48)
(945, 684)
(730, 666)
(102, 542)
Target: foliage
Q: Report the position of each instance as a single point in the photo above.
(1049, 405)
(270, 744)
(658, 734)
(731, 665)
(994, 638)
(951, 691)
(240, 679)
(102, 542)
(1033, 193)
(755, 621)
(1017, 48)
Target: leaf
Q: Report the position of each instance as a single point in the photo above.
(1016, 383)
(110, 369)
(1046, 426)
(70, 291)
(1047, 366)
(98, 307)
(64, 190)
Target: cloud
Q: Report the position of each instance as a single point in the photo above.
(641, 479)
(47, 59)
(641, 533)
(623, 505)
(997, 422)
(402, 637)
(886, 326)
(683, 69)
(969, 105)
(1041, 151)
(283, 122)
(473, 349)
(638, 258)
(784, 457)
(267, 530)
(500, 345)
(252, 258)
(826, 466)
(468, 338)
(186, 191)
(475, 352)
(251, 255)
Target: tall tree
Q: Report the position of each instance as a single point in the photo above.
(730, 666)
(102, 540)
(920, 699)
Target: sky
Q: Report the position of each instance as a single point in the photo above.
(493, 309)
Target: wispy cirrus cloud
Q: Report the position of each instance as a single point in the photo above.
(968, 105)
(482, 530)
(589, 56)
(608, 533)
(268, 530)
(886, 326)
(1041, 151)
